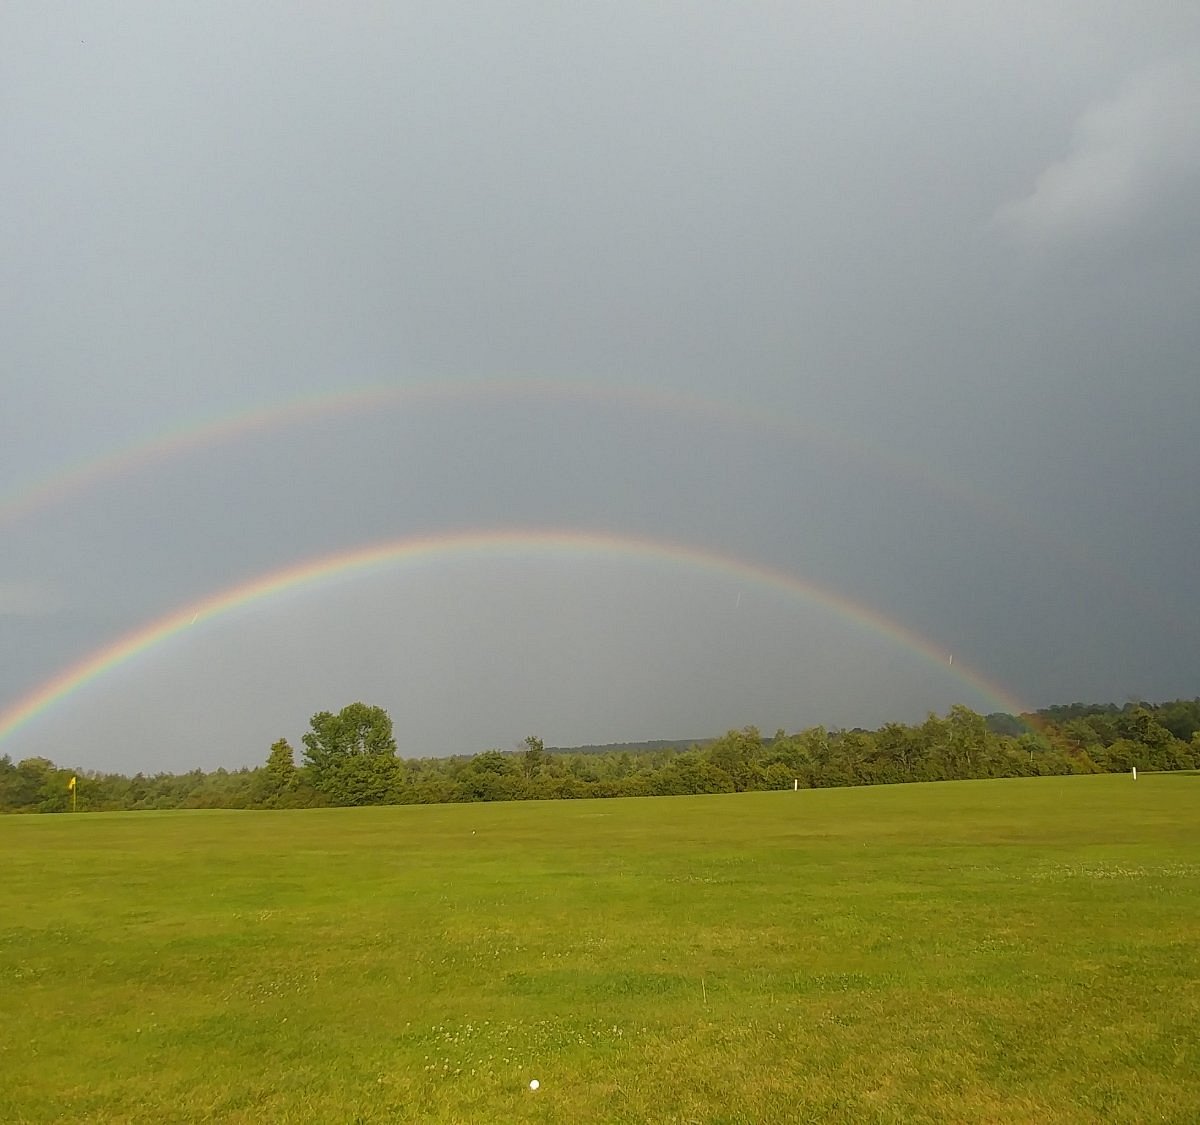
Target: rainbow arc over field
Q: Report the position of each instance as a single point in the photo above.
(311, 573)
(202, 435)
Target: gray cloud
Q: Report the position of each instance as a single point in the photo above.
(951, 251)
(1129, 153)
(29, 598)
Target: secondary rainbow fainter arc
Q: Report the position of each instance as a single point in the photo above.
(59, 486)
(312, 572)
(36, 496)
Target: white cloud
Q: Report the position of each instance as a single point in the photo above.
(1128, 154)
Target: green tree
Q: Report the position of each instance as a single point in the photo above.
(851, 752)
(491, 776)
(1139, 725)
(1181, 718)
(31, 784)
(277, 778)
(737, 753)
(967, 741)
(534, 757)
(351, 756)
(10, 785)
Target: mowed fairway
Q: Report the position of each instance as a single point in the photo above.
(972, 951)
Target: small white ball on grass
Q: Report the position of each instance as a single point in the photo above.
(534, 1084)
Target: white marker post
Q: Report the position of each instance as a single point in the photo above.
(1135, 773)
(795, 785)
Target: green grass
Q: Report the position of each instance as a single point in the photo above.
(969, 952)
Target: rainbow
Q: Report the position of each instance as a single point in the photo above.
(78, 477)
(195, 436)
(362, 560)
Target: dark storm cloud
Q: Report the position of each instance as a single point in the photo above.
(963, 237)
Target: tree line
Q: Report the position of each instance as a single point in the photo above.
(350, 758)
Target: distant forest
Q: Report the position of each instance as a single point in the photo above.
(350, 758)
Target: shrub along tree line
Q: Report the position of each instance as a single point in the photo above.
(350, 759)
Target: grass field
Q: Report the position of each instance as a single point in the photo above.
(988, 951)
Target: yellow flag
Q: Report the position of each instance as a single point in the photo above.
(71, 785)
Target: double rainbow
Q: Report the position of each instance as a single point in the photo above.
(312, 573)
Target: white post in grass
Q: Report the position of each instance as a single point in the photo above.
(795, 785)
(1135, 773)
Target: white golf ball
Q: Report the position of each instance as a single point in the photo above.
(534, 1084)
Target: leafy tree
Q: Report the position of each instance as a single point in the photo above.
(277, 779)
(1181, 718)
(534, 758)
(490, 776)
(778, 776)
(31, 784)
(1139, 725)
(1000, 722)
(350, 759)
(737, 754)
(900, 747)
(851, 752)
(351, 756)
(9, 785)
(281, 764)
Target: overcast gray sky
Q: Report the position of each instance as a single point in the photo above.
(901, 301)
